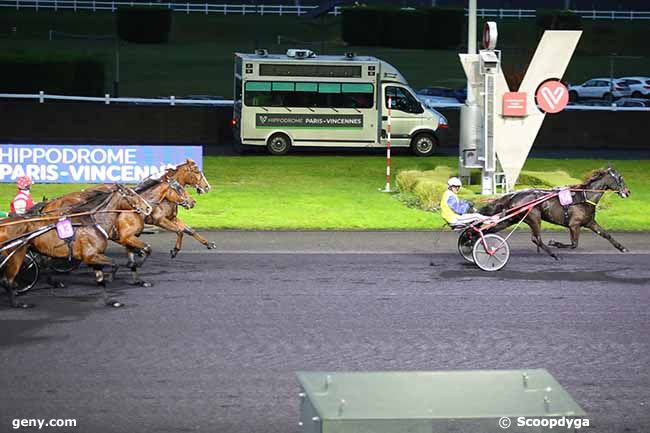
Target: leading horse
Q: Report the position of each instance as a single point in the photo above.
(581, 213)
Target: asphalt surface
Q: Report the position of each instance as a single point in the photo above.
(214, 345)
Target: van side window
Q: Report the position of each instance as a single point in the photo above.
(402, 100)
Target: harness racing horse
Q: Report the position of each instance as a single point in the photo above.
(129, 226)
(581, 213)
(164, 214)
(95, 218)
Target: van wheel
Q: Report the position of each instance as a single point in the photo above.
(424, 144)
(278, 144)
(608, 97)
(637, 94)
(573, 96)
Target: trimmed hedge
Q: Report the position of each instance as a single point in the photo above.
(66, 75)
(438, 28)
(144, 25)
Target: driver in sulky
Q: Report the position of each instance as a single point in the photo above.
(454, 210)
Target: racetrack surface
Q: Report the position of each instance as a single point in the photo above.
(213, 346)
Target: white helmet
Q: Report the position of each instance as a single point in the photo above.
(454, 181)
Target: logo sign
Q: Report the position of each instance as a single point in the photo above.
(514, 104)
(552, 96)
(90, 163)
(490, 34)
(309, 120)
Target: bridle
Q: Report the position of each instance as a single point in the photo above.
(175, 186)
(128, 194)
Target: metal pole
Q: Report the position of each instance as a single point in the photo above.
(469, 123)
(471, 29)
(388, 139)
(116, 81)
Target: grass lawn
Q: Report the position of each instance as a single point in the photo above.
(199, 58)
(317, 193)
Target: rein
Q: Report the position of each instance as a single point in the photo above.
(53, 217)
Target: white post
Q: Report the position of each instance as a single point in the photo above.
(41, 96)
(206, 8)
(107, 99)
(388, 140)
(172, 100)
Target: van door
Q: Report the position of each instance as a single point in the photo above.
(406, 114)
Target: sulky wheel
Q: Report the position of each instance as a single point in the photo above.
(466, 242)
(491, 253)
(28, 274)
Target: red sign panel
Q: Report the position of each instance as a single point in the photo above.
(514, 104)
(552, 96)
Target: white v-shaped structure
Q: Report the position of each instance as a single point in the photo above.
(514, 136)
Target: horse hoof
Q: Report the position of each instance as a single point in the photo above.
(211, 246)
(114, 304)
(145, 284)
(173, 252)
(624, 250)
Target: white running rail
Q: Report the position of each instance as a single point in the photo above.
(264, 9)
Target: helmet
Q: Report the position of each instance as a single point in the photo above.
(454, 181)
(24, 182)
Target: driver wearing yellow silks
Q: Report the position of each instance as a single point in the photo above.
(454, 210)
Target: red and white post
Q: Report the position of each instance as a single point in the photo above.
(390, 104)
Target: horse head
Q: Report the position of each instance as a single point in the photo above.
(188, 173)
(134, 200)
(608, 179)
(177, 194)
(614, 180)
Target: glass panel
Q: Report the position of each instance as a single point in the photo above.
(287, 87)
(358, 88)
(263, 86)
(307, 70)
(306, 87)
(329, 88)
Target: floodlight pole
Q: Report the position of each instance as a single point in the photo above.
(469, 120)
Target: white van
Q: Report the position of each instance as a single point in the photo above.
(300, 99)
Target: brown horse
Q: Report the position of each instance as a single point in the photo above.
(129, 226)
(165, 215)
(94, 219)
(581, 213)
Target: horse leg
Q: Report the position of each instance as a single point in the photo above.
(574, 232)
(134, 244)
(172, 226)
(190, 231)
(11, 271)
(596, 228)
(536, 237)
(97, 262)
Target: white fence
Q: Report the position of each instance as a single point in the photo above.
(262, 9)
(107, 99)
(42, 97)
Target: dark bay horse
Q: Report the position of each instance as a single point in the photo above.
(99, 213)
(582, 213)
